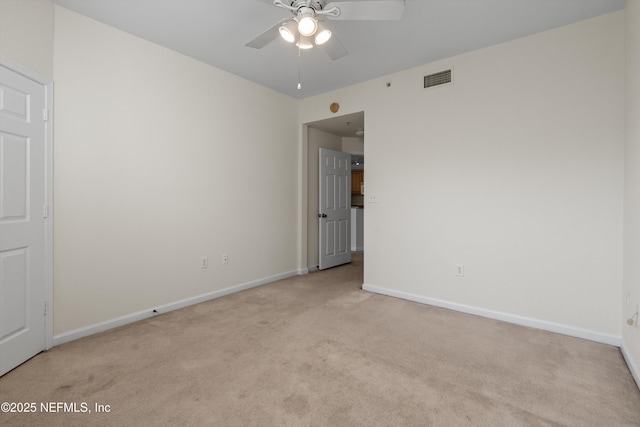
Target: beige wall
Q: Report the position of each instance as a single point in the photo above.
(26, 34)
(353, 144)
(160, 160)
(631, 294)
(518, 175)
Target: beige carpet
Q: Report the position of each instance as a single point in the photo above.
(317, 350)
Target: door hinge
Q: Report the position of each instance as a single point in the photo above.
(45, 308)
(45, 211)
(45, 115)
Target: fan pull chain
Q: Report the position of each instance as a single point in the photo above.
(299, 85)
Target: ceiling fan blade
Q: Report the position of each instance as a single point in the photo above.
(367, 10)
(265, 38)
(334, 48)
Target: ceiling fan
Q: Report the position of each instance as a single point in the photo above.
(307, 27)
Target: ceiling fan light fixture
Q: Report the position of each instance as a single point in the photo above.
(307, 23)
(288, 31)
(323, 34)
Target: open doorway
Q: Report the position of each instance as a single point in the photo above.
(344, 133)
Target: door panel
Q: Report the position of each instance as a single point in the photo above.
(335, 208)
(14, 179)
(344, 228)
(22, 227)
(13, 306)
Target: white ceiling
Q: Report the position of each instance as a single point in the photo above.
(216, 31)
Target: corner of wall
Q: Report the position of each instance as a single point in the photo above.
(631, 274)
(633, 367)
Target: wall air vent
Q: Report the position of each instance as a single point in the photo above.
(437, 79)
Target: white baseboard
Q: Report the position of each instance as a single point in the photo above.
(505, 317)
(635, 371)
(134, 317)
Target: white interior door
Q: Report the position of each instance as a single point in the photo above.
(22, 223)
(335, 208)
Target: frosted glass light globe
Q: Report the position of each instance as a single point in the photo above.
(307, 26)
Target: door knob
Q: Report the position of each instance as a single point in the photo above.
(322, 215)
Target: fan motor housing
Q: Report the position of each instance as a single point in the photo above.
(315, 4)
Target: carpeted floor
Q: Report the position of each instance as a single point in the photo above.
(316, 350)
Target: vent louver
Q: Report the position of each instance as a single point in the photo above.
(437, 79)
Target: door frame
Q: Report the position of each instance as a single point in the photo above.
(303, 175)
(48, 191)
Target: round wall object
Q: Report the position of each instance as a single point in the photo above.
(334, 107)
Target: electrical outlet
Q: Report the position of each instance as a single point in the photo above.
(204, 262)
(372, 198)
(225, 259)
(460, 270)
